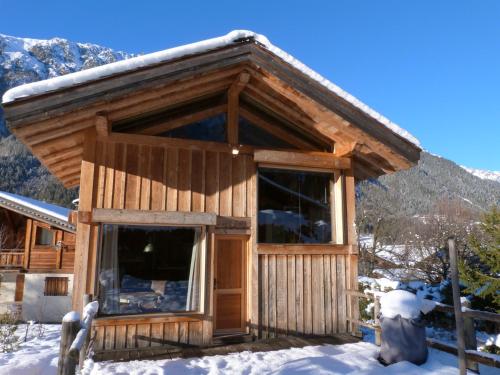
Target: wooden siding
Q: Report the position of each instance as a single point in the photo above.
(302, 294)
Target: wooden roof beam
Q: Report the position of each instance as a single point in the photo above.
(275, 130)
(102, 125)
(233, 103)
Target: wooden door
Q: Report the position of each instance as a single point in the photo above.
(230, 284)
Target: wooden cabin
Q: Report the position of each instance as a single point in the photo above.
(37, 253)
(217, 190)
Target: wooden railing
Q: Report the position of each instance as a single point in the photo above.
(11, 258)
(75, 339)
(473, 356)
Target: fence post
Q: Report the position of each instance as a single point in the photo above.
(470, 337)
(69, 330)
(459, 323)
(83, 352)
(376, 312)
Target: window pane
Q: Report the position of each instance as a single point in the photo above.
(44, 236)
(149, 269)
(294, 207)
(254, 136)
(211, 129)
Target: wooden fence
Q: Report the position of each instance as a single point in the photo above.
(473, 356)
(11, 258)
(75, 339)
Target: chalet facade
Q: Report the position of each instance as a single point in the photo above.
(217, 190)
(37, 252)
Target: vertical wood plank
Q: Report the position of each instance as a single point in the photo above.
(171, 333)
(239, 186)
(195, 333)
(250, 176)
(308, 327)
(99, 338)
(143, 336)
(101, 174)
(225, 184)
(299, 292)
(145, 173)
(109, 337)
(131, 336)
(173, 166)
(120, 176)
(121, 336)
(291, 316)
(156, 334)
(133, 180)
(157, 179)
(183, 332)
(184, 203)
(328, 294)
(272, 295)
(212, 182)
(333, 270)
(341, 285)
(318, 295)
(339, 205)
(264, 269)
(110, 175)
(197, 181)
(281, 294)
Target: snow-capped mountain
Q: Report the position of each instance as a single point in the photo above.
(484, 175)
(24, 60)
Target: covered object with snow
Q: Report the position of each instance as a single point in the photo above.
(216, 189)
(403, 332)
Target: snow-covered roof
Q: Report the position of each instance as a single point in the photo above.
(84, 76)
(38, 210)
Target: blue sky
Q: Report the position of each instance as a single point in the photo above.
(433, 67)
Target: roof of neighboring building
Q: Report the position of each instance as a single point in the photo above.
(42, 211)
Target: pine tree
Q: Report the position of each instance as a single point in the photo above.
(481, 271)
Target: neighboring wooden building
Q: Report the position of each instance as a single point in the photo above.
(217, 190)
(37, 252)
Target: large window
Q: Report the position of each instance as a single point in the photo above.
(294, 207)
(149, 269)
(44, 237)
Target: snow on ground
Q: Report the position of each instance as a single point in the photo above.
(37, 356)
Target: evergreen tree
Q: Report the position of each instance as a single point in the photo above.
(481, 271)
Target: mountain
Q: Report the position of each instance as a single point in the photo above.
(24, 60)
(418, 190)
(484, 175)
(411, 192)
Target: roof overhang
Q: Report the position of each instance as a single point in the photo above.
(49, 120)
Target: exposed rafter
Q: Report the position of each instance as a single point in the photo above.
(233, 98)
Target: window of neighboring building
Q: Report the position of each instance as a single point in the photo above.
(149, 269)
(56, 286)
(44, 237)
(294, 207)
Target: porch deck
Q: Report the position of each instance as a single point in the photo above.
(266, 345)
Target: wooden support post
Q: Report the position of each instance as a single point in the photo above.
(457, 306)
(102, 125)
(233, 103)
(470, 337)
(69, 330)
(376, 312)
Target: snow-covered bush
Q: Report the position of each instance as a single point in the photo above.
(9, 341)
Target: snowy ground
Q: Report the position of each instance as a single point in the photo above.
(39, 356)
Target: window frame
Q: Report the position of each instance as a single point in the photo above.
(203, 272)
(332, 196)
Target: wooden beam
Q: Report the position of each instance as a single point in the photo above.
(63, 154)
(305, 249)
(119, 216)
(313, 160)
(183, 120)
(228, 222)
(233, 98)
(102, 125)
(275, 130)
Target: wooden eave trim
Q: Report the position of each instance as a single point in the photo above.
(322, 95)
(64, 100)
(303, 249)
(124, 216)
(301, 159)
